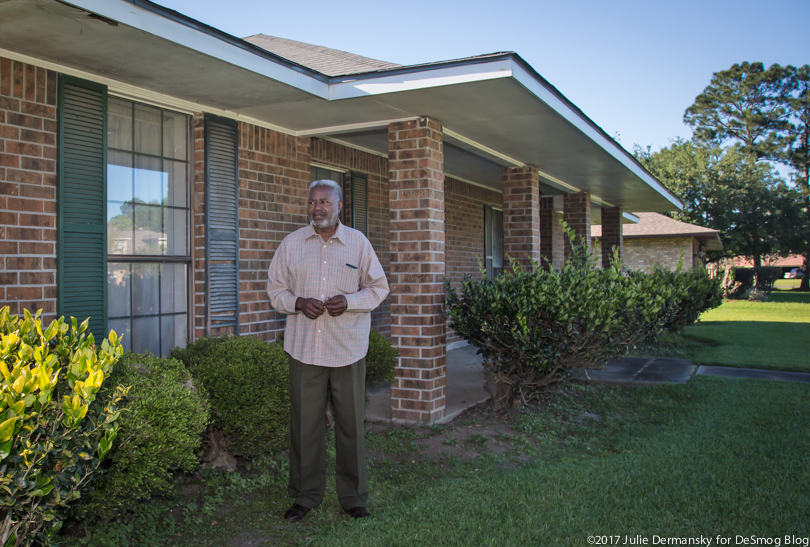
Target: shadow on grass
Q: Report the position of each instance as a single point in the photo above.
(749, 344)
(794, 296)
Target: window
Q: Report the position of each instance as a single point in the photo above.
(493, 241)
(148, 255)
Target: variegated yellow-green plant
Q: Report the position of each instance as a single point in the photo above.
(51, 443)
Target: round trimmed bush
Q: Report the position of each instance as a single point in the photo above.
(160, 432)
(247, 382)
(380, 361)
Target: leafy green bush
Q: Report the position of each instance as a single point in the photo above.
(247, 382)
(538, 327)
(52, 438)
(694, 292)
(380, 361)
(160, 432)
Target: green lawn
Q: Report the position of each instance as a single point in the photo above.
(769, 335)
(787, 284)
(714, 457)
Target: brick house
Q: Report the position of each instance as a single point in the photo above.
(657, 240)
(150, 165)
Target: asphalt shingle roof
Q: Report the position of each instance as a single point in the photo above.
(331, 62)
(655, 224)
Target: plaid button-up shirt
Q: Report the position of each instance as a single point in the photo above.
(306, 266)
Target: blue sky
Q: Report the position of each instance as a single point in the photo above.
(632, 66)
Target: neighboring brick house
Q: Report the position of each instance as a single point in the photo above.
(151, 164)
(657, 240)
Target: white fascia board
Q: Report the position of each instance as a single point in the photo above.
(631, 218)
(152, 23)
(421, 79)
(544, 94)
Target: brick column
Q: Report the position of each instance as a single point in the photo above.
(28, 135)
(416, 201)
(611, 234)
(521, 214)
(552, 238)
(577, 214)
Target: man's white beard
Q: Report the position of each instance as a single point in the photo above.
(328, 222)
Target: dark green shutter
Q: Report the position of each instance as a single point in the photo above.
(82, 199)
(221, 224)
(360, 202)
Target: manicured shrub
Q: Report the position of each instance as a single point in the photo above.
(536, 327)
(52, 438)
(247, 383)
(380, 361)
(694, 292)
(160, 432)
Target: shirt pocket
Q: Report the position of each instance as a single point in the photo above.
(348, 280)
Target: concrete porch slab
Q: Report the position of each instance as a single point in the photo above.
(465, 388)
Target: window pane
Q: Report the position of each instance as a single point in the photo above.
(145, 291)
(146, 335)
(177, 183)
(151, 183)
(119, 228)
(173, 297)
(119, 176)
(119, 124)
(150, 238)
(176, 224)
(175, 135)
(148, 130)
(122, 329)
(118, 290)
(173, 332)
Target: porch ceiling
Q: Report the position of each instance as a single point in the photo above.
(495, 109)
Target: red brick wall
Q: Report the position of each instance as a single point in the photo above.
(464, 231)
(552, 237)
(577, 214)
(521, 215)
(611, 234)
(376, 167)
(27, 188)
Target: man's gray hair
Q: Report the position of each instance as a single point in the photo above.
(338, 191)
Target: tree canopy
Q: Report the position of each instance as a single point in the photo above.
(726, 189)
(764, 113)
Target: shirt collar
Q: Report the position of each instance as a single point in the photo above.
(341, 233)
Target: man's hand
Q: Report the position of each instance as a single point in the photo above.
(336, 305)
(311, 307)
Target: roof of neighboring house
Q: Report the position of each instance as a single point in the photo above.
(331, 62)
(791, 261)
(657, 225)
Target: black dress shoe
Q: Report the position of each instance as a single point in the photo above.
(296, 513)
(358, 512)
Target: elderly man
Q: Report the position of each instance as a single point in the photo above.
(327, 279)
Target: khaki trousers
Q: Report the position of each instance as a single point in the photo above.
(308, 392)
